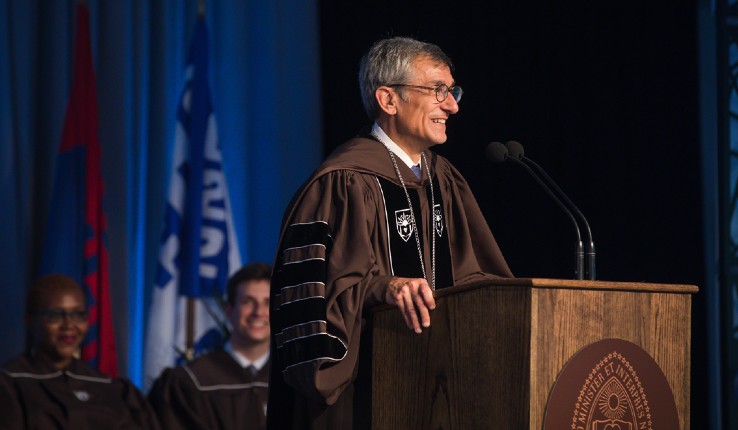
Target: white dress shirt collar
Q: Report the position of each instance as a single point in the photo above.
(392, 146)
(245, 362)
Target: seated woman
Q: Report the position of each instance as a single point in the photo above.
(48, 388)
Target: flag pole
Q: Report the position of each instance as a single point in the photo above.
(190, 330)
(190, 340)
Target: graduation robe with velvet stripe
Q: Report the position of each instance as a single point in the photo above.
(213, 392)
(36, 396)
(338, 250)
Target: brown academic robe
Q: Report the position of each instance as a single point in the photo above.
(36, 396)
(335, 259)
(213, 392)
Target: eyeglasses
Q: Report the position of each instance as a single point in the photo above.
(56, 316)
(442, 91)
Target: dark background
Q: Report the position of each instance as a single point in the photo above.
(602, 94)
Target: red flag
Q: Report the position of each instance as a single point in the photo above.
(75, 236)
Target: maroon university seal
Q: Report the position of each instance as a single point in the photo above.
(611, 384)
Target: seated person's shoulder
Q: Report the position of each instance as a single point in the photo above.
(17, 365)
(124, 388)
(190, 374)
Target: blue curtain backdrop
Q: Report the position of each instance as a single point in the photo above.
(266, 94)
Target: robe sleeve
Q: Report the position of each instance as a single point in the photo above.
(169, 398)
(140, 410)
(10, 408)
(325, 274)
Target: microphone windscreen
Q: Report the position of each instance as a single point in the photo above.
(496, 152)
(515, 149)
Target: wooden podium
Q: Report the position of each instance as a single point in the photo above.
(494, 349)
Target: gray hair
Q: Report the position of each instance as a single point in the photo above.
(388, 62)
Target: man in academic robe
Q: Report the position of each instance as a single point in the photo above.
(226, 388)
(382, 220)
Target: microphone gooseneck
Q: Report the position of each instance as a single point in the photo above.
(516, 150)
(498, 153)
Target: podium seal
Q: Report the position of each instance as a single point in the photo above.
(611, 384)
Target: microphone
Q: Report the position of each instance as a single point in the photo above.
(516, 150)
(498, 153)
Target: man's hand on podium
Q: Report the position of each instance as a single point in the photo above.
(414, 298)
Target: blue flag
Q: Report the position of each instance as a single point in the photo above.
(198, 243)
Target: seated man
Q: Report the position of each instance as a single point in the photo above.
(224, 389)
(48, 388)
